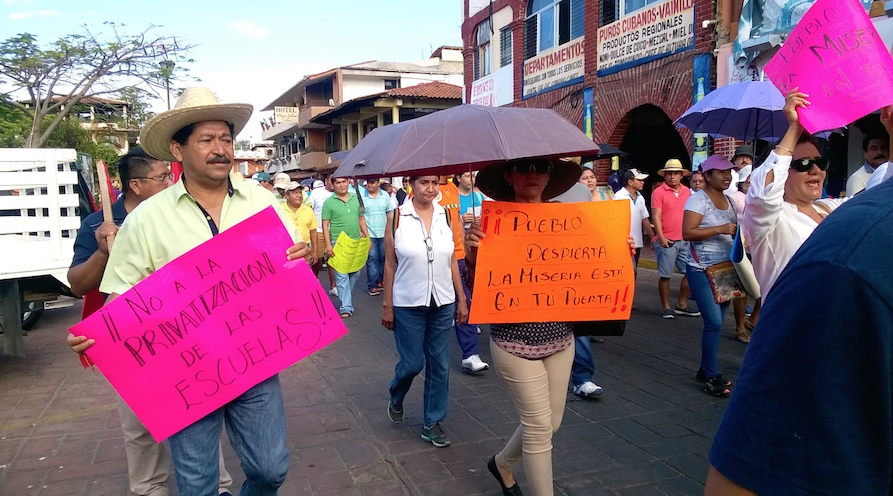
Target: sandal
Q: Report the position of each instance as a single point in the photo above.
(749, 325)
(345, 315)
(742, 336)
(715, 387)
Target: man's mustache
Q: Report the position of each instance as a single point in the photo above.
(219, 159)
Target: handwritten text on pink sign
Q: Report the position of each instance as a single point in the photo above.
(835, 56)
(211, 324)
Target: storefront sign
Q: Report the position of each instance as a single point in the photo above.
(835, 56)
(648, 34)
(555, 68)
(553, 262)
(494, 90)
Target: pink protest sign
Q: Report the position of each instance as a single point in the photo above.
(835, 56)
(211, 324)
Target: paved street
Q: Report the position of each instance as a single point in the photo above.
(648, 434)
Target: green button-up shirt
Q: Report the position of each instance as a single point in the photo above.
(171, 223)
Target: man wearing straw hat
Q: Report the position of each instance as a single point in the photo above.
(667, 206)
(199, 132)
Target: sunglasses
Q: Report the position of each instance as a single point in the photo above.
(539, 167)
(805, 164)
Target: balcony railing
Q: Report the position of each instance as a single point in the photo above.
(316, 102)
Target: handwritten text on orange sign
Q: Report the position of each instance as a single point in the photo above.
(555, 262)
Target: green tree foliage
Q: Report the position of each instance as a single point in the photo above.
(48, 82)
(14, 128)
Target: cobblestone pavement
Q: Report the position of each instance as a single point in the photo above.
(648, 434)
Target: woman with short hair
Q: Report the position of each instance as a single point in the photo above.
(422, 295)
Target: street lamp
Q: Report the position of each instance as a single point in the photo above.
(168, 67)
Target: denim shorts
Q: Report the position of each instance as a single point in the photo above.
(668, 257)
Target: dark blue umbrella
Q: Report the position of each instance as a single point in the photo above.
(607, 151)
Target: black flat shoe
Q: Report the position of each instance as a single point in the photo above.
(506, 491)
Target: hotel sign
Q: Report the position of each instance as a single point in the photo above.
(285, 114)
(648, 34)
(553, 69)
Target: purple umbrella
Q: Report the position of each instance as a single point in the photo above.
(746, 111)
(740, 110)
(463, 138)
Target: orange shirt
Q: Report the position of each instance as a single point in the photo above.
(449, 199)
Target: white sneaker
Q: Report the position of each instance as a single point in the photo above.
(587, 389)
(474, 364)
(334, 292)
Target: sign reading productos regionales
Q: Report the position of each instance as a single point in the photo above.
(648, 34)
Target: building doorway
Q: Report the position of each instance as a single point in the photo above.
(650, 140)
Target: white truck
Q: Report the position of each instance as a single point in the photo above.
(41, 191)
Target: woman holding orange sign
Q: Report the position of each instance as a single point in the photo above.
(533, 359)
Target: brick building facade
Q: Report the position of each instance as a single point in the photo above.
(632, 109)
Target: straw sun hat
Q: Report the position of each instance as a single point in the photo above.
(674, 165)
(194, 105)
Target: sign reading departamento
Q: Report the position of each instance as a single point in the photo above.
(211, 324)
(648, 34)
(553, 262)
(555, 68)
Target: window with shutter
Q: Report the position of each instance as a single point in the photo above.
(550, 23)
(505, 46)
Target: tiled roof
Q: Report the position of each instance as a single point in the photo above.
(440, 49)
(434, 89)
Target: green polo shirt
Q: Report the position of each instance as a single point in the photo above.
(170, 223)
(342, 216)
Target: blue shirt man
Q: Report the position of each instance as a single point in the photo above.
(378, 207)
(812, 411)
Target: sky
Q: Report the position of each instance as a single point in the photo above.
(253, 51)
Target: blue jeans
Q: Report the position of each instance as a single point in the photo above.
(375, 263)
(466, 334)
(583, 368)
(255, 423)
(422, 335)
(712, 313)
(345, 283)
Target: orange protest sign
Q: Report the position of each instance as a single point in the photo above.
(553, 262)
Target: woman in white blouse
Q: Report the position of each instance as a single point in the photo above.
(422, 295)
(781, 204)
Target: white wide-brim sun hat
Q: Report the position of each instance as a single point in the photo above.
(194, 105)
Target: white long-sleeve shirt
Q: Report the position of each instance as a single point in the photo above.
(773, 228)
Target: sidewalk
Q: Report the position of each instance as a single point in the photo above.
(648, 434)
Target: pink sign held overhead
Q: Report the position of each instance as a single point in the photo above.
(835, 56)
(211, 324)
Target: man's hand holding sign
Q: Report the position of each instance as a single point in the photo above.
(555, 262)
(201, 330)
